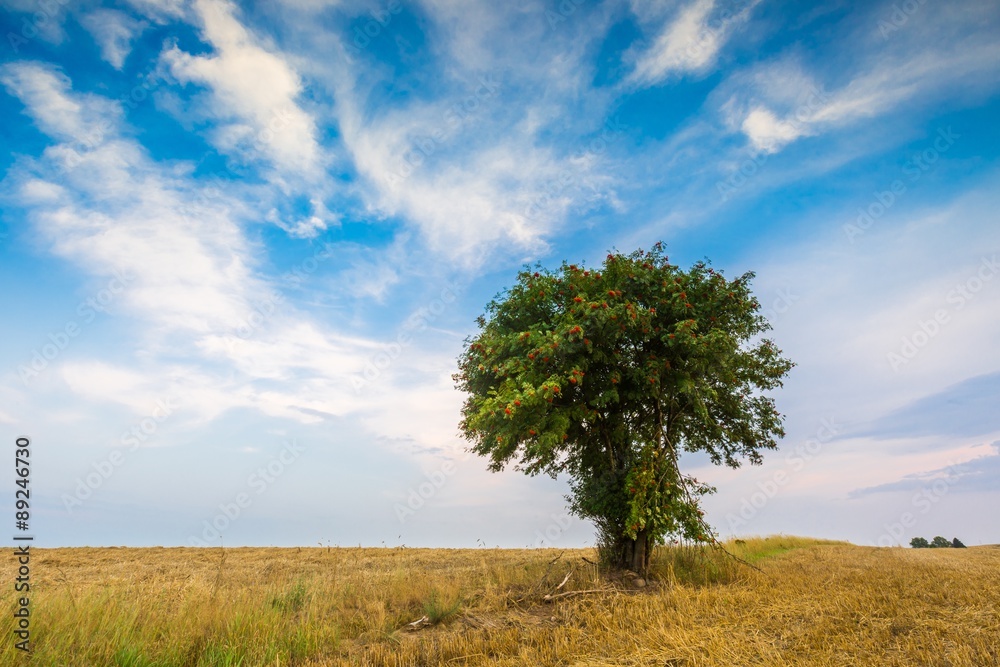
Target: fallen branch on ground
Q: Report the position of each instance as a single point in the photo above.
(565, 579)
(422, 622)
(550, 598)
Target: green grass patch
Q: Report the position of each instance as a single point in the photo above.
(293, 600)
(437, 610)
(754, 549)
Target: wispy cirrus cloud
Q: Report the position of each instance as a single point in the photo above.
(776, 102)
(688, 42)
(462, 161)
(977, 475)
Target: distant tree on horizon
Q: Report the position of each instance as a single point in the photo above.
(608, 375)
(937, 543)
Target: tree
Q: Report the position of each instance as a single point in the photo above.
(919, 543)
(940, 543)
(957, 544)
(609, 375)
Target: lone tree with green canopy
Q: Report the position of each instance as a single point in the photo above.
(609, 375)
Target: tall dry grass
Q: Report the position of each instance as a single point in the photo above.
(811, 603)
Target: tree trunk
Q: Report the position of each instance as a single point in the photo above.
(636, 553)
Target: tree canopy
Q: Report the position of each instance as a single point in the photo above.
(608, 375)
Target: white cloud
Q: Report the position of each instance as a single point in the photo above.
(178, 275)
(114, 32)
(688, 43)
(768, 133)
(420, 412)
(253, 92)
(469, 192)
(371, 279)
(42, 89)
(309, 227)
(38, 191)
(96, 380)
(777, 102)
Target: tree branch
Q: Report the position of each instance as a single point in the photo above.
(550, 598)
(611, 447)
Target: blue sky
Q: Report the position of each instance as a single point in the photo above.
(243, 243)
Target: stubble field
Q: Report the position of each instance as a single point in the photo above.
(811, 603)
